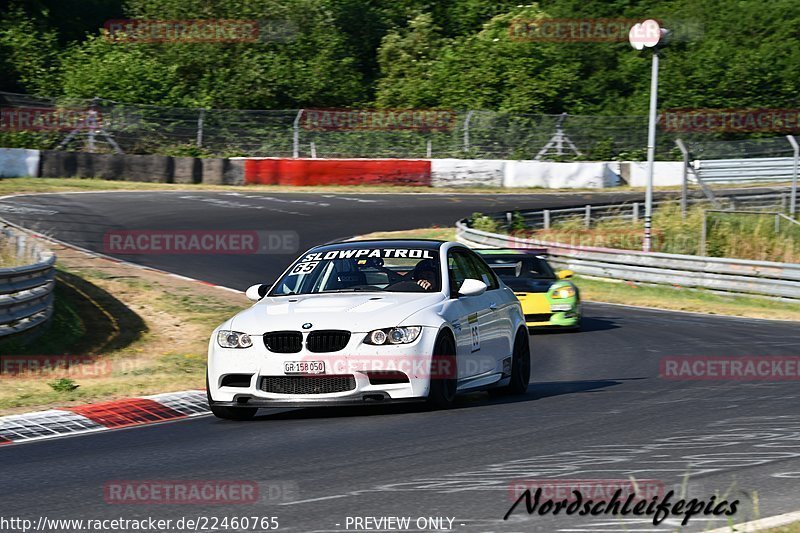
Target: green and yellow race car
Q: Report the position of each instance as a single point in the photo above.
(548, 298)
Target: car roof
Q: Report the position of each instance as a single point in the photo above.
(425, 244)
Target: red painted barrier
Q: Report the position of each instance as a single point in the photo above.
(299, 172)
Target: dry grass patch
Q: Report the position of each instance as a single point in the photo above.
(142, 332)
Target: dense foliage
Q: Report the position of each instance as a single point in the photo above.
(406, 53)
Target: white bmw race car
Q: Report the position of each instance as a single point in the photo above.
(365, 322)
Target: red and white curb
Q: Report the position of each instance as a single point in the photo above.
(102, 416)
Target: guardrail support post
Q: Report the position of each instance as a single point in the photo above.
(703, 231)
(296, 134)
(588, 215)
(546, 214)
(21, 246)
(635, 212)
(685, 180)
(200, 119)
(466, 129)
(429, 151)
(796, 148)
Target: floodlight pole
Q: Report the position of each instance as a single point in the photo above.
(651, 154)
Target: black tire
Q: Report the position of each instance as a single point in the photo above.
(229, 413)
(520, 367)
(442, 393)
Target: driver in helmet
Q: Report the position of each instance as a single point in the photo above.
(424, 274)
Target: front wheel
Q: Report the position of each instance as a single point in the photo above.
(443, 375)
(229, 413)
(520, 367)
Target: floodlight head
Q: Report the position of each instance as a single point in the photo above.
(645, 34)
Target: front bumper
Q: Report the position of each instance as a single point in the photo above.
(541, 311)
(369, 374)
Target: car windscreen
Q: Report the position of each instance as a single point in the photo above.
(524, 273)
(368, 269)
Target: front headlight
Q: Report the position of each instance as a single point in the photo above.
(398, 335)
(233, 339)
(564, 292)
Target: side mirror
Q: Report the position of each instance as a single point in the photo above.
(564, 274)
(255, 292)
(472, 287)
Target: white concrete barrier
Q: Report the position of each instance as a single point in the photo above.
(664, 173)
(18, 163)
(549, 174)
(467, 172)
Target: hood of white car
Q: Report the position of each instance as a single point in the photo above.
(358, 312)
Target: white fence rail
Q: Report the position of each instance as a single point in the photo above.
(26, 291)
(766, 169)
(763, 278)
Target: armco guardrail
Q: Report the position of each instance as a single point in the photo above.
(590, 213)
(763, 278)
(26, 292)
(745, 170)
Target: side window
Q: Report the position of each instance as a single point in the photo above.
(485, 273)
(459, 268)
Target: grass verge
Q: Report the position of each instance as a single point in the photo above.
(790, 528)
(747, 235)
(629, 293)
(133, 332)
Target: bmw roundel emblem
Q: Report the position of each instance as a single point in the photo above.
(307, 325)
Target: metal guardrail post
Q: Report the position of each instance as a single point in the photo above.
(546, 215)
(296, 134)
(685, 180)
(796, 149)
(704, 234)
(635, 212)
(466, 129)
(200, 119)
(588, 216)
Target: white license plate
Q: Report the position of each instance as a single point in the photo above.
(560, 307)
(304, 367)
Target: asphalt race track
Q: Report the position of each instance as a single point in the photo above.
(596, 408)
